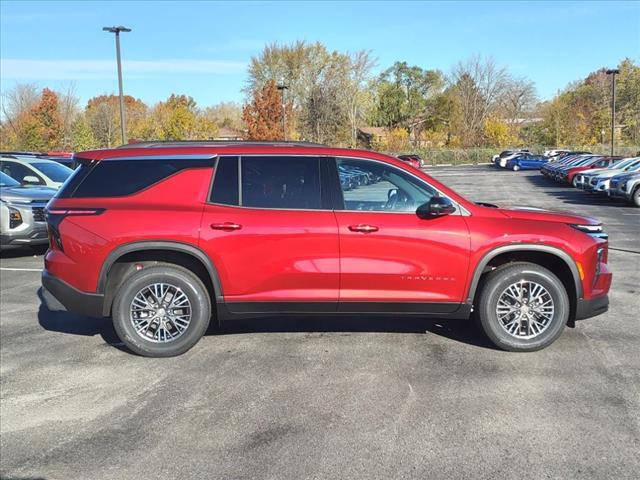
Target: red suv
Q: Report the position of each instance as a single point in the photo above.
(164, 236)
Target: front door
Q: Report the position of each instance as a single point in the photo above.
(272, 241)
(390, 259)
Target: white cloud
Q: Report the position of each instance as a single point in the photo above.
(23, 69)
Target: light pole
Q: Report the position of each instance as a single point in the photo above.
(613, 73)
(117, 31)
(282, 87)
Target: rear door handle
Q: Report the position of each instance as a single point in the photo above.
(227, 226)
(363, 228)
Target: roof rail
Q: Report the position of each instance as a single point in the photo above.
(216, 143)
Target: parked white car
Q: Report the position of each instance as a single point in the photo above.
(554, 153)
(583, 179)
(626, 186)
(601, 183)
(35, 171)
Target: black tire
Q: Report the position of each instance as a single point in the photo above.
(635, 198)
(188, 283)
(493, 287)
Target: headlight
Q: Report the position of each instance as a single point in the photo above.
(15, 218)
(623, 186)
(595, 231)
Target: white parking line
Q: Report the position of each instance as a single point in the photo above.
(21, 269)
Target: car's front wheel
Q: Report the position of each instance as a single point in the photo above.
(523, 307)
(161, 311)
(636, 197)
(516, 168)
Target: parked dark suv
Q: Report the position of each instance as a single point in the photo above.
(163, 237)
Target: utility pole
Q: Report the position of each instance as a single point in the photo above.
(613, 73)
(282, 87)
(117, 31)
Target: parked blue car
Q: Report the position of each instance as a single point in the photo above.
(527, 162)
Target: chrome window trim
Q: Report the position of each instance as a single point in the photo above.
(460, 209)
(194, 156)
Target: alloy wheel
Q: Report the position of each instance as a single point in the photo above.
(160, 312)
(525, 309)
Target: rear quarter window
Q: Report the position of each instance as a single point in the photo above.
(118, 178)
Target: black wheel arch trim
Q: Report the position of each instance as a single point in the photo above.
(523, 247)
(141, 246)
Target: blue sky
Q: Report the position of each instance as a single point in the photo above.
(202, 48)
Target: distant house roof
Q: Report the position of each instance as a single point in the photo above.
(523, 121)
(374, 131)
(228, 133)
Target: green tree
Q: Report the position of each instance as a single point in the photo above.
(403, 92)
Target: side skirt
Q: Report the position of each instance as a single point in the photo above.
(237, 310)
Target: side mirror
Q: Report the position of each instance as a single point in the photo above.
(435, 207)
(392, 192)
(30, 180)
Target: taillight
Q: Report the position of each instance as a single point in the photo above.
(74, 211)
(55, 216)
(601, 257)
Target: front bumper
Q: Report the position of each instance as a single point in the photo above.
(60, 296)
(592, 307)
(32, 235)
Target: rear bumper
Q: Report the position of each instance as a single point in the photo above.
(60, 296)
(592, 307)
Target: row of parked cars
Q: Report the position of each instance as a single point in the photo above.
(28, 180)
(523, 159)
(616, 177)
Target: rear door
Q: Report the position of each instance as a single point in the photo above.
(270, 231)
(390, 259)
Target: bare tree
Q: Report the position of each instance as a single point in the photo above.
(518, 98)
(17, 101)
(69, 111)
(356, 95)
(478, 85)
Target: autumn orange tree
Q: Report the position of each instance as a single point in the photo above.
(41, 126)
(263, 116)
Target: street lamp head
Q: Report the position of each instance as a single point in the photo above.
(613, 71)
(116, 29)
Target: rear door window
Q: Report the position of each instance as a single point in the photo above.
(286, 182)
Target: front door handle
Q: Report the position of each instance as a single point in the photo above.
(226, 226)
(363, 228)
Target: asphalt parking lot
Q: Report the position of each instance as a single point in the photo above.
(330, 397)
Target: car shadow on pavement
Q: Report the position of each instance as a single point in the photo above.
(575, 196)
(463, 331)
(24, 251)
(65, 322)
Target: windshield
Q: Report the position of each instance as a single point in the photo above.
(634, 167)
(623, 162)
(53, 170)
(7, 181)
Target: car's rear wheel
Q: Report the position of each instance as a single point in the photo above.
(161, 311)
(523, 307)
